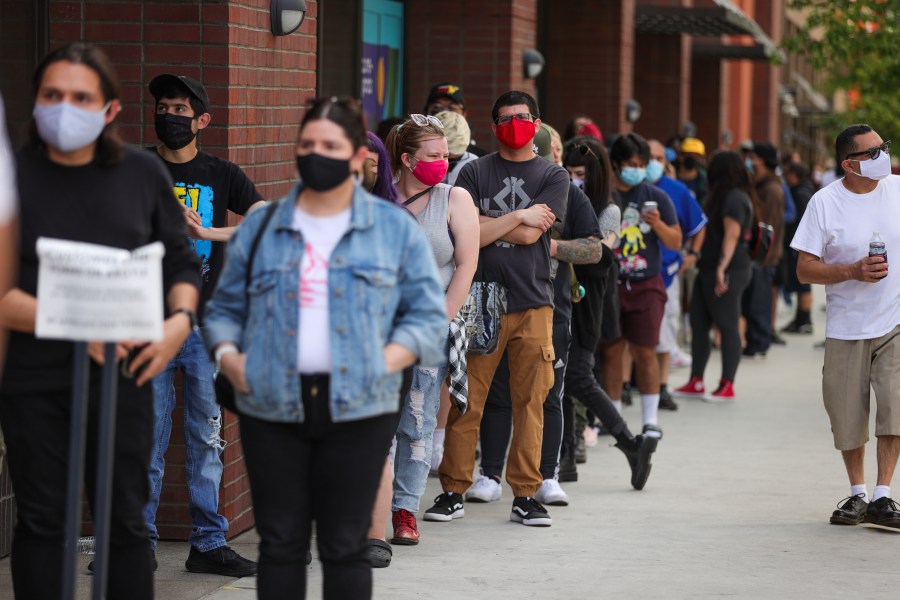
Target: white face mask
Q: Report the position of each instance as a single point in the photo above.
(579, 183)
(68, 128)
(876, 169)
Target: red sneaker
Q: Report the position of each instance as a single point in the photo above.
(724, 393)
(406, 532)
(692, 389)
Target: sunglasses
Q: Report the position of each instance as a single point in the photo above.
(425, 120)
(520, 116)
(873, 153)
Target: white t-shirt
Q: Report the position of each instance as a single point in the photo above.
(837, 227)
(320, 236)
(8, 201)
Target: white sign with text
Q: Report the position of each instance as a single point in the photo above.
(88, 292)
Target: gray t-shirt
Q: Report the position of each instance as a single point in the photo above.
(498, 187)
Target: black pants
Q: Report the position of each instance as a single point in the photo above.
(757, 309)
(318, 471)
(36, 427)
(582, 384)
(496, 422)
(724, 311)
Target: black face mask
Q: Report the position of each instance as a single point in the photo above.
(174, 131)
(321, 173)
(690, 163)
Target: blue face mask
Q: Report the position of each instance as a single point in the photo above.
(632, 176)
(654, 171)
(749, 164)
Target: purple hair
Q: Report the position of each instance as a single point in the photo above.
(384, 181)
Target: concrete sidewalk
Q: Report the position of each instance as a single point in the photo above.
(737, 505)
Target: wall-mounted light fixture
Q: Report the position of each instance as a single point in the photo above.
(287, 16)
(532, 63)
(632, 110)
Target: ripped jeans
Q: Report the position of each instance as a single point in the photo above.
(418, 418)
(202, 441)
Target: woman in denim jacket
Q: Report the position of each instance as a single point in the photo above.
(344, 294)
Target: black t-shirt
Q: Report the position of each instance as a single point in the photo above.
(126, 205)
(736, 205)
(581, 222)
(211, 185)
(638, 252)
(500, 186)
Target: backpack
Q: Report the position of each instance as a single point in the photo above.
(761, 243)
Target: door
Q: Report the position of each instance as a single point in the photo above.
(382, 60)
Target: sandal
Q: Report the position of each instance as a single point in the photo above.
(380, 553)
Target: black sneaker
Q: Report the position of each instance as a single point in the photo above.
(666, 402)
(528, 511)
(568, 471)
(219, 561)
(447, 506)
(638, 452)
(626, 394)
(795, 327)
(883, 513)
(778, 340)
(850, 512)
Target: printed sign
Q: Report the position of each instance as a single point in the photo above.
(88, 292)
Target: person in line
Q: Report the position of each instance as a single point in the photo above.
(456, 128)
(376, 173)
(862, 331)
(449, 96)
(519, 196)
(693, 223)
(574, 241)
(207, 187)
(691, 168)
(796, 175)
(418, 150)
(343, 295)
(756, 305)
(72, 178)
(724, 272)
(642, 298)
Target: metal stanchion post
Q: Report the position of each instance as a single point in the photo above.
(77, 434)
(106, 439)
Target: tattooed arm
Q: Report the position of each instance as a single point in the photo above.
(582, 251)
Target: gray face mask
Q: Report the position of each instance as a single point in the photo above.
(579, 183)
(68, 128)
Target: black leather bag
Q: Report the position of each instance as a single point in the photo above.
(225, 394)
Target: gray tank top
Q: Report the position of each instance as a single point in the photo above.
(434, 220)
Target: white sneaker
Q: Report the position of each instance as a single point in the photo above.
(590, 437)
(679, 361)
(486, 489)
(437, 455)
(552, 494)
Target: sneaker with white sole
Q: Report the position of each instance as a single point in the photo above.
(529, 511)
(447, 506)
(486, 489)
(552, 493)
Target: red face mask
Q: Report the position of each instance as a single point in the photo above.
(516, 133)
(432, 172)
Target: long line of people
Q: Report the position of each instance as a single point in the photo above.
(338, 319)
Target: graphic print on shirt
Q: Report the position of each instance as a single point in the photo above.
(633, 230)
(313, 279)
(200, 198)
(511, 197)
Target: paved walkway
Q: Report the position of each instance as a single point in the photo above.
(737, 506)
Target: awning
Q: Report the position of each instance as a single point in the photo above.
(725, 18)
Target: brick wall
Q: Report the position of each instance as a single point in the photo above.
(257, 84)
(589, 48)
(477, 45)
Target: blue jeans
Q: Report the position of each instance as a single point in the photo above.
(202, 441)
(415, 434)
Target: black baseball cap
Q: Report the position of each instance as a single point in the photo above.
(767, 153)
(193, 87)
(451, 90)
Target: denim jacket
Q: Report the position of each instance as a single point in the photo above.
(383, 287)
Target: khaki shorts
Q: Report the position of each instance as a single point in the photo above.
(851, 368)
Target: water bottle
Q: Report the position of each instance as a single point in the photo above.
(877, 247)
